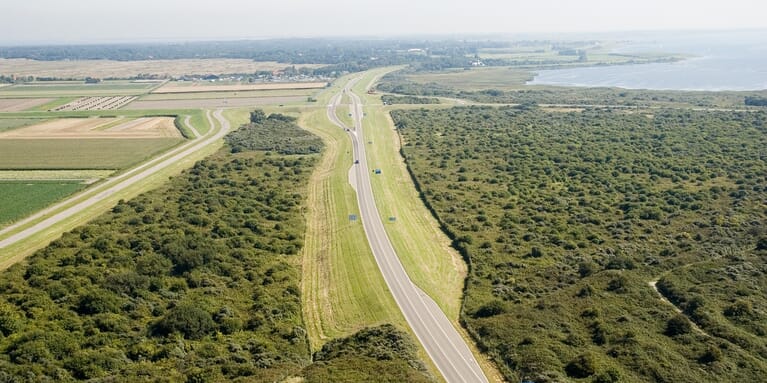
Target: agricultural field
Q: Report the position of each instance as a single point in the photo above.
(88, 128)
(567, 219)
(93, 153)
(214, 103)
(230, 94)
(207, 86)
(76, 89)
(126, 69)
(20, 104)
(7, 124)
(20, 198)
(96, 103)
(475, 78)
(87, 176)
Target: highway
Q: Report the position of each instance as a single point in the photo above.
(114, 185)
(431, 326)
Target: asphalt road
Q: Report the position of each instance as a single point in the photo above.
(441, 340)
(115, 185)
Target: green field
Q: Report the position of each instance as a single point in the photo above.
(15, 123)
(20, 198)
(230, 94)
(80, 154)
(476, 78)
(106, 88)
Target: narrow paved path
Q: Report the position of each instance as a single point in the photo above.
(114, 185)
(433, 329)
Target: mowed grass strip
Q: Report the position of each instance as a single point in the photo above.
(501, 78)
(343, 289)
(80, 153)
(420, 244)
(20, 198)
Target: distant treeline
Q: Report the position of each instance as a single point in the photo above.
(398, 82)
(338, 55)
(391, 100)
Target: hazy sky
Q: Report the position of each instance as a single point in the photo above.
(74, 21)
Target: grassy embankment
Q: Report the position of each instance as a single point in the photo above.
(421, 245)
(342, 287)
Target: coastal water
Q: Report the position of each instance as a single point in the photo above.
(720, 61)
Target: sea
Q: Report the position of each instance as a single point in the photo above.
(731, 60)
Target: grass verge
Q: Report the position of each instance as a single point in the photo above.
(423, 248)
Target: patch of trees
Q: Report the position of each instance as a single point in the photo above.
(193, 281)
(379, 354)
(756, 101)
(564, 217)
(392, 100)
(276, 132)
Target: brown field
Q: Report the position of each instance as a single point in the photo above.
(97, 103)
(125, 69)
(198, 86)
(83, 128)
(212, 103)
(19, 104)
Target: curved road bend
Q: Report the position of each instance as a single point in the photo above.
(436, 333)
(130, 178)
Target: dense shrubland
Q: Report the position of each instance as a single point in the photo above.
(195, 282)
(276, 132)
(388, 99)
(565, 218)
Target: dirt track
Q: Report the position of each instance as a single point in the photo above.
(149, 127)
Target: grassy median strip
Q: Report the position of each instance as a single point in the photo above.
(343, 289)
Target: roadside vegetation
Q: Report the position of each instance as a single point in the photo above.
(565, 218)
(196, 281)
